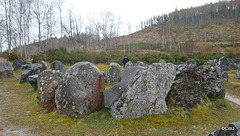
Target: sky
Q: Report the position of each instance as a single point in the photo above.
(132, 11)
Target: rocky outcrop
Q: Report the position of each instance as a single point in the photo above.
(81, 92)
(113, 73)
(17, 64)
(212, 81)
(141, 92)
(48, 81)
(140, 63)
(186, 91)
(128, 65)
(227, 64)
(237, 75)
(5, 70)
(233, 129)
(58, 65)
(33, 81)
(31, 69)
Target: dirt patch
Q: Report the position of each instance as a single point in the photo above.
(6, 128)
(232, 98)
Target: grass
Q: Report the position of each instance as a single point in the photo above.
(21, 108)
(233, 84)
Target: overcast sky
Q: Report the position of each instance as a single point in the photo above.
(133, 11)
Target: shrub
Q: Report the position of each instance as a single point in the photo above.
(12, 56)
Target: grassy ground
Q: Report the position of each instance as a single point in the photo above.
(233, 84)
(21, 108)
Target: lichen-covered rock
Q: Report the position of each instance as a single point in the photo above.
(81, 92)
(186, 91)
(233, 129)
(140, 63)
(128, 65)
(58, 65)
(48, 81)
(31, 69)
(17, 64)
(141, 92)
(33, 81)
(237, 75)
(212, 81)
(5, 70)
(113, 73)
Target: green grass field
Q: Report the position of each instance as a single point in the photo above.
(21, 108)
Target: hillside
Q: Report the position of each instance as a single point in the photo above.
(214, 27)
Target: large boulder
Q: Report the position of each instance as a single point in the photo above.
(140, 63)
(227, 64)
(17, 64)
(58, 65)
(31, 69)
(212, 81)
(113, 73)
(128, 64)
(186, 91)
(5, 70)
(233, 129)
(81, 92)
(48, 81)
(141, 92)
(33, 81)
(237, 75)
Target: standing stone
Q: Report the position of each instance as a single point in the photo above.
(17, 64)
(237, 75)
(58, 65)
(186, 91)
(212, 81)
(31, 69)
(141, 92)
(33, 81)
(48, 81)
(128, 65)
(81, 92)
(113, 73)
(5, 70)
(227, 64)
(45, 66)
(140, 63)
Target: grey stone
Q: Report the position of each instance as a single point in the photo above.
(162, 61)
(128, 65)
(58, 65)
(186, 91)
(233, 129)
(227, 64)
(31, 69)
(141, 92)
(17, 64)
(113, 73)
(48, 81)
(192, 61)
(81, 92)
(140, 63)
(45, 66)
(33, 81)
(212, 81)
(5, 70)
(237, 75)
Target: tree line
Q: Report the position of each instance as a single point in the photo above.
(196, 16)
(21, 19)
